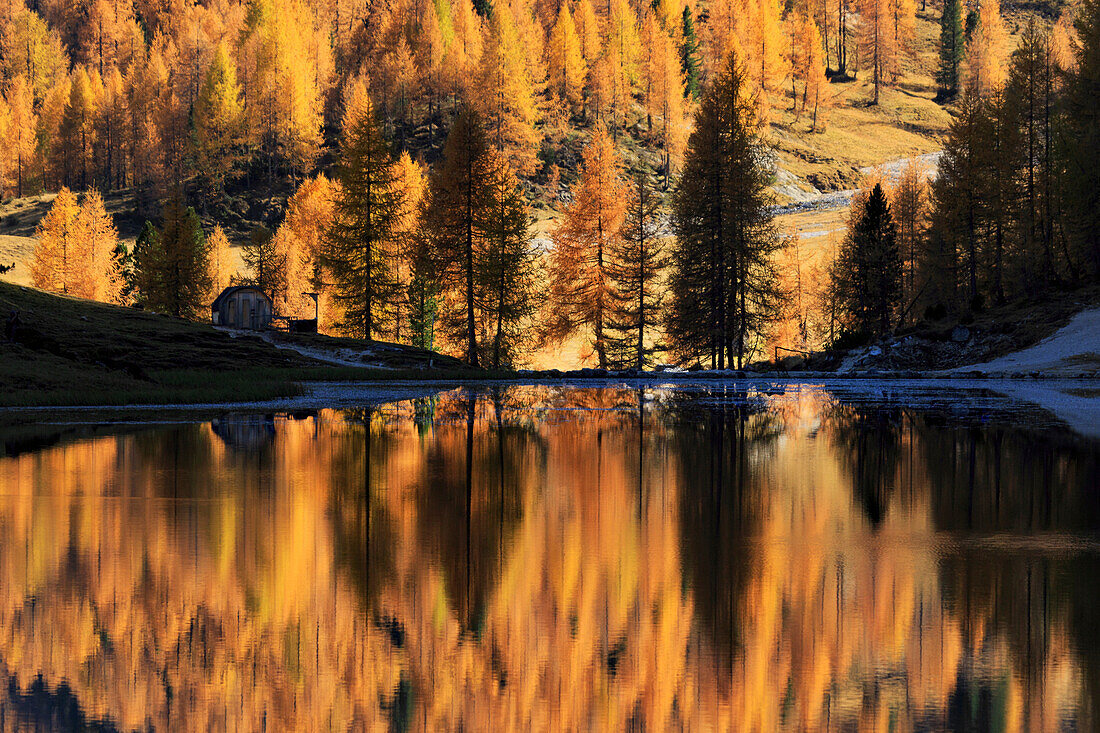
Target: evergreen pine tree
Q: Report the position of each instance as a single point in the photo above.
(952, 48)
(868, 268)
(122, 266)
(171, 266)
(144, 261)
(690, 62)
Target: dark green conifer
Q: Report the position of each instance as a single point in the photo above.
(690, 62)
(952, 49)
(867, 272)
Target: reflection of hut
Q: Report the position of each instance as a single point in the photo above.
(245, 432)
(242, 306)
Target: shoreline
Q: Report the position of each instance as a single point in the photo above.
(353, 393)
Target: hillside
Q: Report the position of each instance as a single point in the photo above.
(65, 351)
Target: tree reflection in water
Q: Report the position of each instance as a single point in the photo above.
(555, 558)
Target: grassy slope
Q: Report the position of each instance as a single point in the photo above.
(75, 352)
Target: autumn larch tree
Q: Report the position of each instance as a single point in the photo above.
(877, 40)
(868, 268)
(95, 241)
(24, 121)
(581, 291)
(309, 216)
(266, 261)
(808, 67)
(222, 267)
(620, 62)
(564, 61)
(218, 120)
(666, 100)
(505, 96)
(986, 53)
(909, 205)
(637, 268)
(54, 257)
(410, 180)
(766, 47)
(32, 49)
(77, 129)
(509, 285)
(723, 280)
(367, 210)
(459, 194)
(280, 72)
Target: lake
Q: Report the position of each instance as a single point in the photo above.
(557, 558)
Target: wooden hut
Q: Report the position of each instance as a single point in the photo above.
(242, 306)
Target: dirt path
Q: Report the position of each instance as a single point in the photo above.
(364, 357)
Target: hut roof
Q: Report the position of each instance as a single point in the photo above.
(233, 289)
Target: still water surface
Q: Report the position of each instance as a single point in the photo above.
(537, 558)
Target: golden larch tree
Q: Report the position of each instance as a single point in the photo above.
(111, 130)
(876, 41)
(50, 113)
(903, 17)
(411, 180)
(309, 214)
(581, 290)
(78, 130)
(664, 94)
(506, 95)
(621, 52)
(909, 203)
(464, 52)
(222, 262)
(281, 82)
(20, 141)
(218, 120)
(54, 259)
(93, 243)
(565, 64)
(588, 38)
(430, 49)
(807, 69)
(987, 52)
(29, 47)
(766, 45)
(720, 32)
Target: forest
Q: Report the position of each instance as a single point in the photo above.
(412, 139)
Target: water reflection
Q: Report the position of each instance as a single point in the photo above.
(536, 558)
